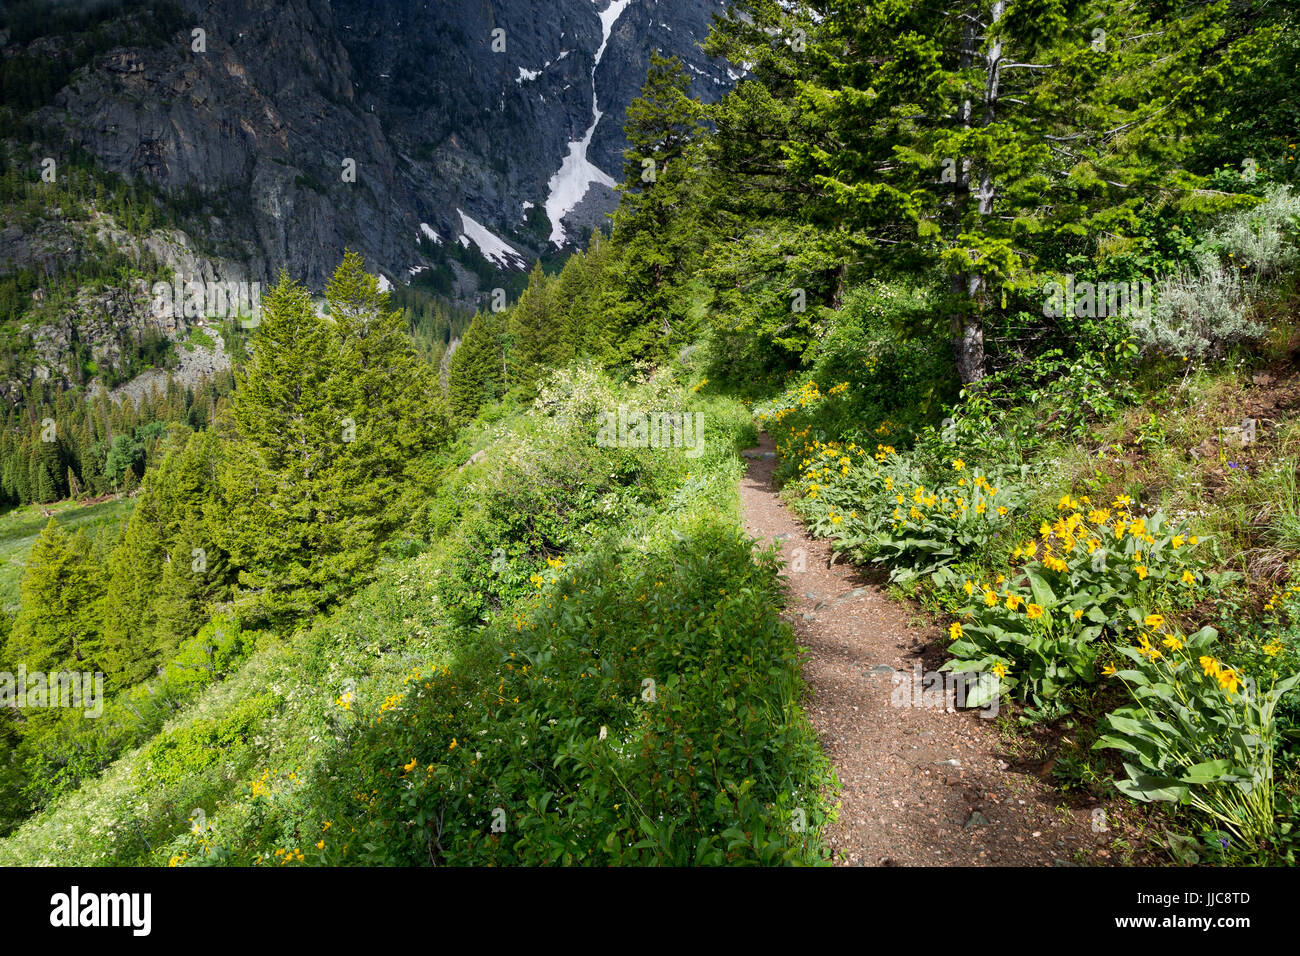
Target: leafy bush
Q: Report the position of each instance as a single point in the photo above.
(637, 710)
(546, 487)
(1087, 575)
(192, 749)
(872, 367)
(882, 341)
(1199, 732)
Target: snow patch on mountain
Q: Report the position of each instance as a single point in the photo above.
(608, 17)
(576, 174)
(570, 184)
(495, 249)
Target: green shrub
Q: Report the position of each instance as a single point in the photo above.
(1200, 732)
(197, 746)
(640, 709)
(1087, 575)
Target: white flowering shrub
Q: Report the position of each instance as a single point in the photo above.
(577, 394)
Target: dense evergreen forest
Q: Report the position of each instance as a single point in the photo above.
(1012, 287)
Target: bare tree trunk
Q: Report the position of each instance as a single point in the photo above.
(967, 322)
(959, 282)
(968, 328)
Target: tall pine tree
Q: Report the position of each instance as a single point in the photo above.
(58, 610)
(965, 135)
(654, 226)
(330, 420)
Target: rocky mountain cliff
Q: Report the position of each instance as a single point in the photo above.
(429, 135)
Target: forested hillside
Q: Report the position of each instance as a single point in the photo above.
(1012, 288)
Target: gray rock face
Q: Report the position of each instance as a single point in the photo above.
(257, 122)
(470, 107)
(105, 323)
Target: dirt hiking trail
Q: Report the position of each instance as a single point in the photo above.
(921, 786)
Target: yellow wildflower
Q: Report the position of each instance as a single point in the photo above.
(1229, 681)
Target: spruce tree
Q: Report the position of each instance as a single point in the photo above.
(132, 572)
(330, 421)
(57, 623)
(194, 576)
(536, 334)
(475, 376)
(168, 568)
(390, 410)
(967, 136)
(285, 435)
(654, 225)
